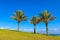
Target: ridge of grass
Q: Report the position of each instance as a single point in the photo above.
(14, 35)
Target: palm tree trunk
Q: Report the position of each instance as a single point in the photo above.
(46, 29)
(18, 26)
(34, 28)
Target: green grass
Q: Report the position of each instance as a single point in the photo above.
(13, 35)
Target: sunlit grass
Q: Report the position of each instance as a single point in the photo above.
(13, 35)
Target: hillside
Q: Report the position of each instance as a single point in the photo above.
(13, 35)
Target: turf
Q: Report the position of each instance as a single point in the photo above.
(13, 35)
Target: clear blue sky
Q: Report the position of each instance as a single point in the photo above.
(30, 8)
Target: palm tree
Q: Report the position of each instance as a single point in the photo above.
(19, 16)
(46, 17)
(34, 21)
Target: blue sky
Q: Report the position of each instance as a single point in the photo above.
(30, 8)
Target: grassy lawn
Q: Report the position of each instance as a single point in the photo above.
(13, 35)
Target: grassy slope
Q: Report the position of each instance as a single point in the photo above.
(13, 35)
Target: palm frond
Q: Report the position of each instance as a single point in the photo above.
(19, 16)
(24, 18)
(35, 20)
(52, 18)
(13, 17)
(46, 16)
